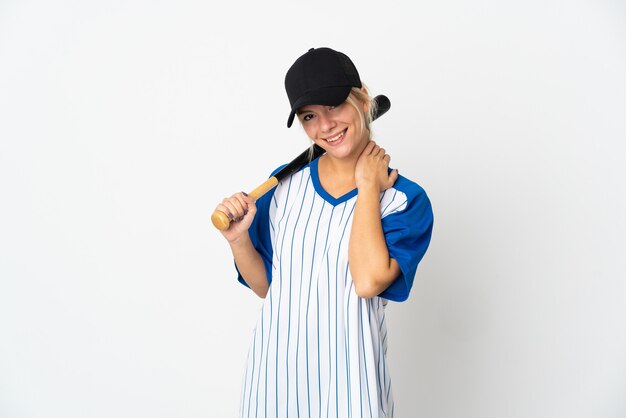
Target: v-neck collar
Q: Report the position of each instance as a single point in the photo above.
(323, 193)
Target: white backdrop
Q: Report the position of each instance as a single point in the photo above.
(123, 123)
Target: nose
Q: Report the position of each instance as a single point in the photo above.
(327, 123)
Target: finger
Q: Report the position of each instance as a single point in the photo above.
(234, 206)
(393, 176)
(242, 201)
(241, 207)
(247, 198)
(249, 202)
(374, 150)
(235, 200)
(370, 147)
(231, 206)
(225, 209)
(387, 158)
(230, 210)
(251, 206)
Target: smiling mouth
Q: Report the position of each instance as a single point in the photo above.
(337, 137)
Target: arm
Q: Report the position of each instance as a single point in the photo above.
(371, 267)
(242, 210)
(250, 265)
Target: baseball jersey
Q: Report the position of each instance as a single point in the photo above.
(318, 349)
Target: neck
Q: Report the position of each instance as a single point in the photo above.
(341, 170)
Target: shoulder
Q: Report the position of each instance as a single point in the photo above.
(277, 170)
(284, 189)
(410, 188)
(403, 196)
(290, 175)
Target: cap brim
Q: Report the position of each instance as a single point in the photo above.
(328, 96)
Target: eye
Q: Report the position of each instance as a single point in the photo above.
(307, 117)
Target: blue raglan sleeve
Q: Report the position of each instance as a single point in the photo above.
(260, 233)
(407, 233)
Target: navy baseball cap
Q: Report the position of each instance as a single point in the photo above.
(322, 76)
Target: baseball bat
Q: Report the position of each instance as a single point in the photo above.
(222, 222)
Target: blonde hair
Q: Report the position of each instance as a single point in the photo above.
(357, 98)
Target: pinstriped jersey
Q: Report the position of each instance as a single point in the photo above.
(318, 349)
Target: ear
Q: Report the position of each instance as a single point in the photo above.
(366, 105)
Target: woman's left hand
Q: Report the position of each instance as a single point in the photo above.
(372, 169)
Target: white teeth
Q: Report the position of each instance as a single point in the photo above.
(335, 138)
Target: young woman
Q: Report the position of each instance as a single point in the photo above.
(326, 249)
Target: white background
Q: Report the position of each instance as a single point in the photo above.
(123, 123)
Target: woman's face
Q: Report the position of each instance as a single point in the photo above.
(337, 129)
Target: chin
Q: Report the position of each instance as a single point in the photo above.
(339, 153)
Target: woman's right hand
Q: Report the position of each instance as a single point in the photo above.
(240, 209)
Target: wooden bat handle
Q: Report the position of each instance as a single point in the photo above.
(220, 219)
(268, 185)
